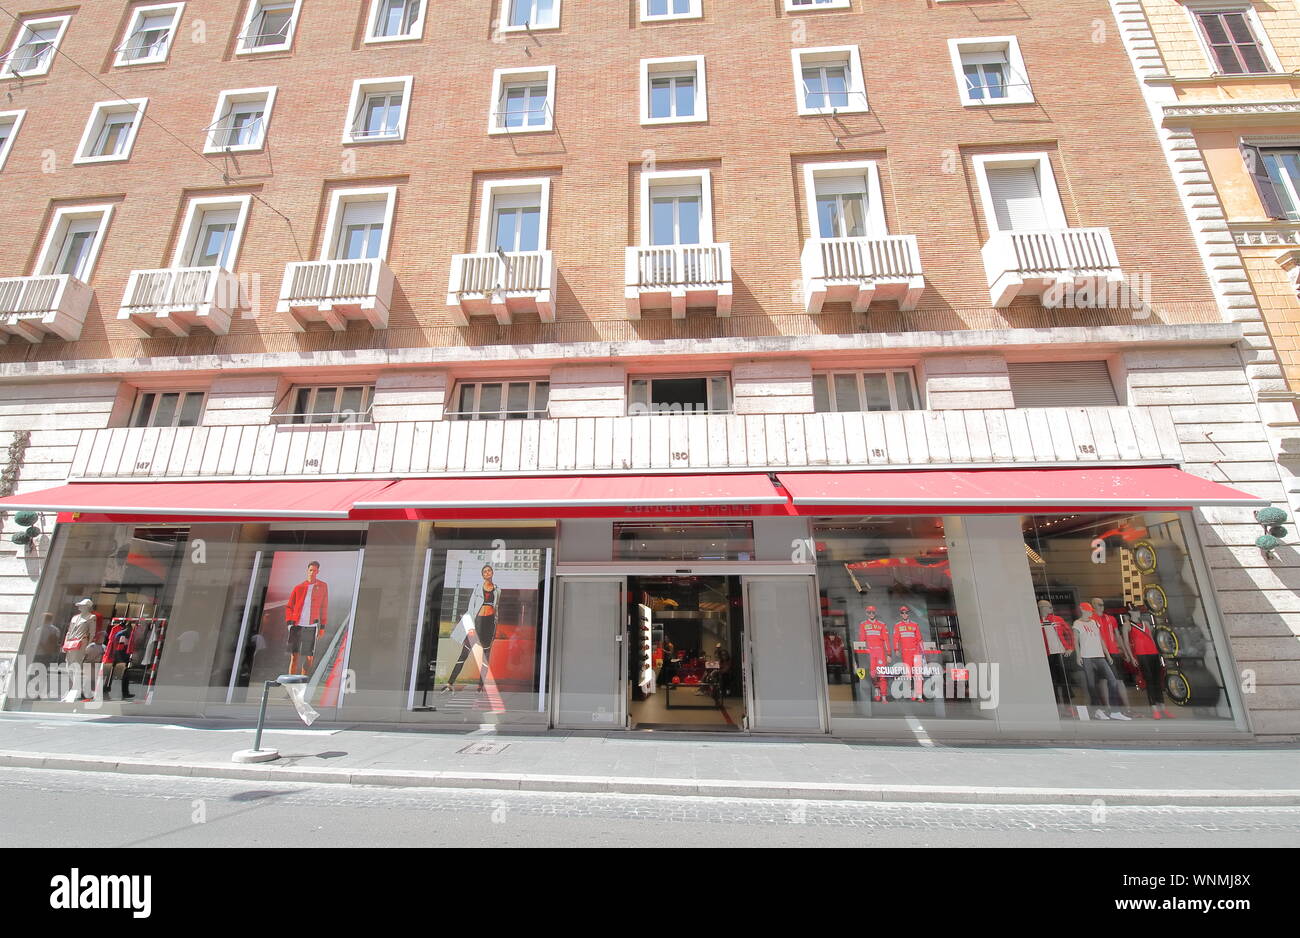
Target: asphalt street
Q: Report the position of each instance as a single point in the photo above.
(52, 807)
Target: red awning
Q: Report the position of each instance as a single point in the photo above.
(1029, 490)
(242, 500)
(576, 496)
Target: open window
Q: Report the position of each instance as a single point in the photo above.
(528, 15)
(10, 121)
(268, 26)
(829, 80)
(652, 11)
(522, 100)
(111, 130)
(34, 48)
(1275, 170)
(1018, 192)
(843, 200)
(990, 71)
(710, 394)
(514, 216)
(673, 91)
(378, 109)
(335, 403)
(395, 20)
(240, 121)
(149, 34)
(359, 224)
(75, 237)
(676, 208)
(212, 232)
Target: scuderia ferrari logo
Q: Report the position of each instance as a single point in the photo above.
(77, 891)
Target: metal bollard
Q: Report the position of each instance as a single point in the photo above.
(257, 753)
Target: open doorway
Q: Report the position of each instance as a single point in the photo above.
(685, 659)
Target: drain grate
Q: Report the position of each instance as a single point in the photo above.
(483, 749)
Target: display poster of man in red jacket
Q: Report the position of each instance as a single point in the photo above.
(307, 615)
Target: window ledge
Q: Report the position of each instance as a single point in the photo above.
(379, 40)
(548, 128)
(263, 50)
(833, 111)
(237, 148)
(135, 62)
(86, 160)
(529, 29)
(350, 140)
(998, 103)
(672, 17)
(298, 427)
(655, 121)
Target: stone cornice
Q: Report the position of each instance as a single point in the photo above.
(1211, 109)
(1248, 235)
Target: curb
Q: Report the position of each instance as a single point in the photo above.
(625, 785)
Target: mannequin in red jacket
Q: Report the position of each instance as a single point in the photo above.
(909, 644)
(874, 633)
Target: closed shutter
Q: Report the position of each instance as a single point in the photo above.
(1062, 384)
(1017, 197)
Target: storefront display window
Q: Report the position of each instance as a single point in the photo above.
(892, 639)
(1126, 632)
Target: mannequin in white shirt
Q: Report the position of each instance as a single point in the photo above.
(1095, 660)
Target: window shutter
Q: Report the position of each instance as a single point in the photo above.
(1264, 185)
(1017, 197)
(1062, 384)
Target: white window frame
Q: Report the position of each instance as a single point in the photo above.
(709, 401)
(694, 11)
(8, 146)
(363, 88)
(137, 16)
(24, 30)
(48, 259)
(674, 66)
(153, 408)
(372, 24)
(877, 227)
(294, 418)
(99, 113)
(454, 413)
(1019, 90)
(676, 177)
(225, 103)
(859, 375)
(502, 77)
(506, 9)
(812, 6)
(1193, 7)
(857, 90)
(254, 6)
(1053, 208)
(340, 197)
(493, 188)
(194, 212)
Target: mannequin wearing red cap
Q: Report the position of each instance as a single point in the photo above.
(874, 634)
(1090, 648)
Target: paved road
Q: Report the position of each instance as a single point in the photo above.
(145, 811)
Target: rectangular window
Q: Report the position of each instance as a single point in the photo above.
(990, 71)
(74, 240)
(337, 404)
(378, 110)
(673, 90)
(1231, 39)
(1062, 384)
(852, 391)
(149, 34)
(679, 395)
(168, 409)
(522, 100)
(670, 9)
(34, 47)
(359, 225)
(111, 130)
(501, 400)
(844, 200)
(829, 80)
(1019, 193)
(10, 121)
(268, 26)
(804, 6)
(240, 121)
(212, 232)
(691, 540)
(675, 208)
(514, 215)
(1283, 168)
(391, 20)
(518, 15)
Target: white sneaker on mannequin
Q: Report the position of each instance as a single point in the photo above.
(1101, 715)
(1119, 716)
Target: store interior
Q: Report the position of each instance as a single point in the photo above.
(685, 660)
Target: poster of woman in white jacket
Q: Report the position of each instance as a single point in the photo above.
(476, 629)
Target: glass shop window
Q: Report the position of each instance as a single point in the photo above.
(729, 540)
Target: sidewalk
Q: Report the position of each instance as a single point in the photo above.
(733, 766)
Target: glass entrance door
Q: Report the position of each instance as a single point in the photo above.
(784, 655)
(589, 686)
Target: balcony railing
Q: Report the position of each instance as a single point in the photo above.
(678, 277)
(180, 298)
(1034, 263)
(502, 284)
(336, 291)
(861, 270)
(33, 307)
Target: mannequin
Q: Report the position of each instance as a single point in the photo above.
(117, 659)
(875, 634)
(1058, 640)
(1116, 644)
(1095, 660)
(76, 642)
(907, 642)
(1141, 642)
